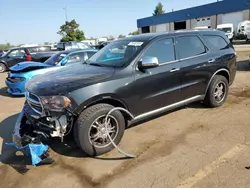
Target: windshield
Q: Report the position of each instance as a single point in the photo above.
(55, 59)
(226, 29)
(116, 54)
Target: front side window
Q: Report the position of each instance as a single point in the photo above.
(55, 59)
(17, 53)
(189, 46)
(76, 57)
(116, 54)
(162, 49)
(217, 42)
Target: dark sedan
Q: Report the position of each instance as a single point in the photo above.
(17, 55)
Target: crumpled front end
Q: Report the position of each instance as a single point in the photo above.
(35, 124)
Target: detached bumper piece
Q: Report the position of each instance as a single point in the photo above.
(28, 143)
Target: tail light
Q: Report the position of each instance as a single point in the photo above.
(28, 57)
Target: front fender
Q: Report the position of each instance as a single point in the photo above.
(98, 99)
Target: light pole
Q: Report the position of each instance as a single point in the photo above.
(66, 16)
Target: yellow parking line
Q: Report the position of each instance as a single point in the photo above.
(191, 181)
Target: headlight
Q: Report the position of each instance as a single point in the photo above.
(55, 103)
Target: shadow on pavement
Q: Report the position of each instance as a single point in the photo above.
(243, 65)
(3, 92)
(241, 42)
(8, 154)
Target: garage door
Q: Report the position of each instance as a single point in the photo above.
(201, 22)
(235, 18)
(161, 27)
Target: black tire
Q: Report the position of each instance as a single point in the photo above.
(210, 99)
(3, 68)
(83, 125)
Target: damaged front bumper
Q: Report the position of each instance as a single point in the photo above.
(32, 127)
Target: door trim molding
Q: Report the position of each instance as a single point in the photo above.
(172, 106)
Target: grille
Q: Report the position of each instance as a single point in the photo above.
(34, 102)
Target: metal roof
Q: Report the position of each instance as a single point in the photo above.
(211, 9)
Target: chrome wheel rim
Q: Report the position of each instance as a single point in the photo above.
(97, 132)
(219, 92)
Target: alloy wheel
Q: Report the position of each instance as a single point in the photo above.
(98, 136)
(220, 92)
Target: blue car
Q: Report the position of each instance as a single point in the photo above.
(22, 72)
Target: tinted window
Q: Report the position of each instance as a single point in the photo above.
(162, 49)
(76, 57)
(217, 42)
(17, 53)
(189, 46)
(55, 59)
(44, 48)
(117, 54)
(31, 50)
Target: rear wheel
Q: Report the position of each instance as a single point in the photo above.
(2, 67)
(90, 133)
(217, 92)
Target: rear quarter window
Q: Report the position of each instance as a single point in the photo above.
(189, 46)
(217, 42)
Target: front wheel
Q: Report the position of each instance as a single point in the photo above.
(217, 92)
(90, 133)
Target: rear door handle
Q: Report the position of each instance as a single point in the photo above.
(211, 60)
(174, 70)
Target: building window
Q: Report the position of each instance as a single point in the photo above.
(208, 18)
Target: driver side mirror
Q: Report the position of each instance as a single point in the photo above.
(148, 62)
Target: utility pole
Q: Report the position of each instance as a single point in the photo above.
(66, 16)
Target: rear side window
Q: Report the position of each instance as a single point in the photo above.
(216, 42)
(44, 49)
(189, 46)
(162, 49)
(31, 50)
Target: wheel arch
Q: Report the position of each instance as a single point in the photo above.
(111, 100)
(3, 62)
(223, 72)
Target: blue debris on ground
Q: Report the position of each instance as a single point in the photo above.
(37, 152)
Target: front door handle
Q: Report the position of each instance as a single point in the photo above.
(174, 70)
(211, 60)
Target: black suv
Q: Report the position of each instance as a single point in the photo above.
(145, 74)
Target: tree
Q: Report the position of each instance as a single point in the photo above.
(121, 36)
(70, 32)
(134, 33)
(6, 46)
(46, 43)
(158, 9)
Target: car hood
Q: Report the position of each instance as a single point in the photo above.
(28, 66)
(63, 80)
